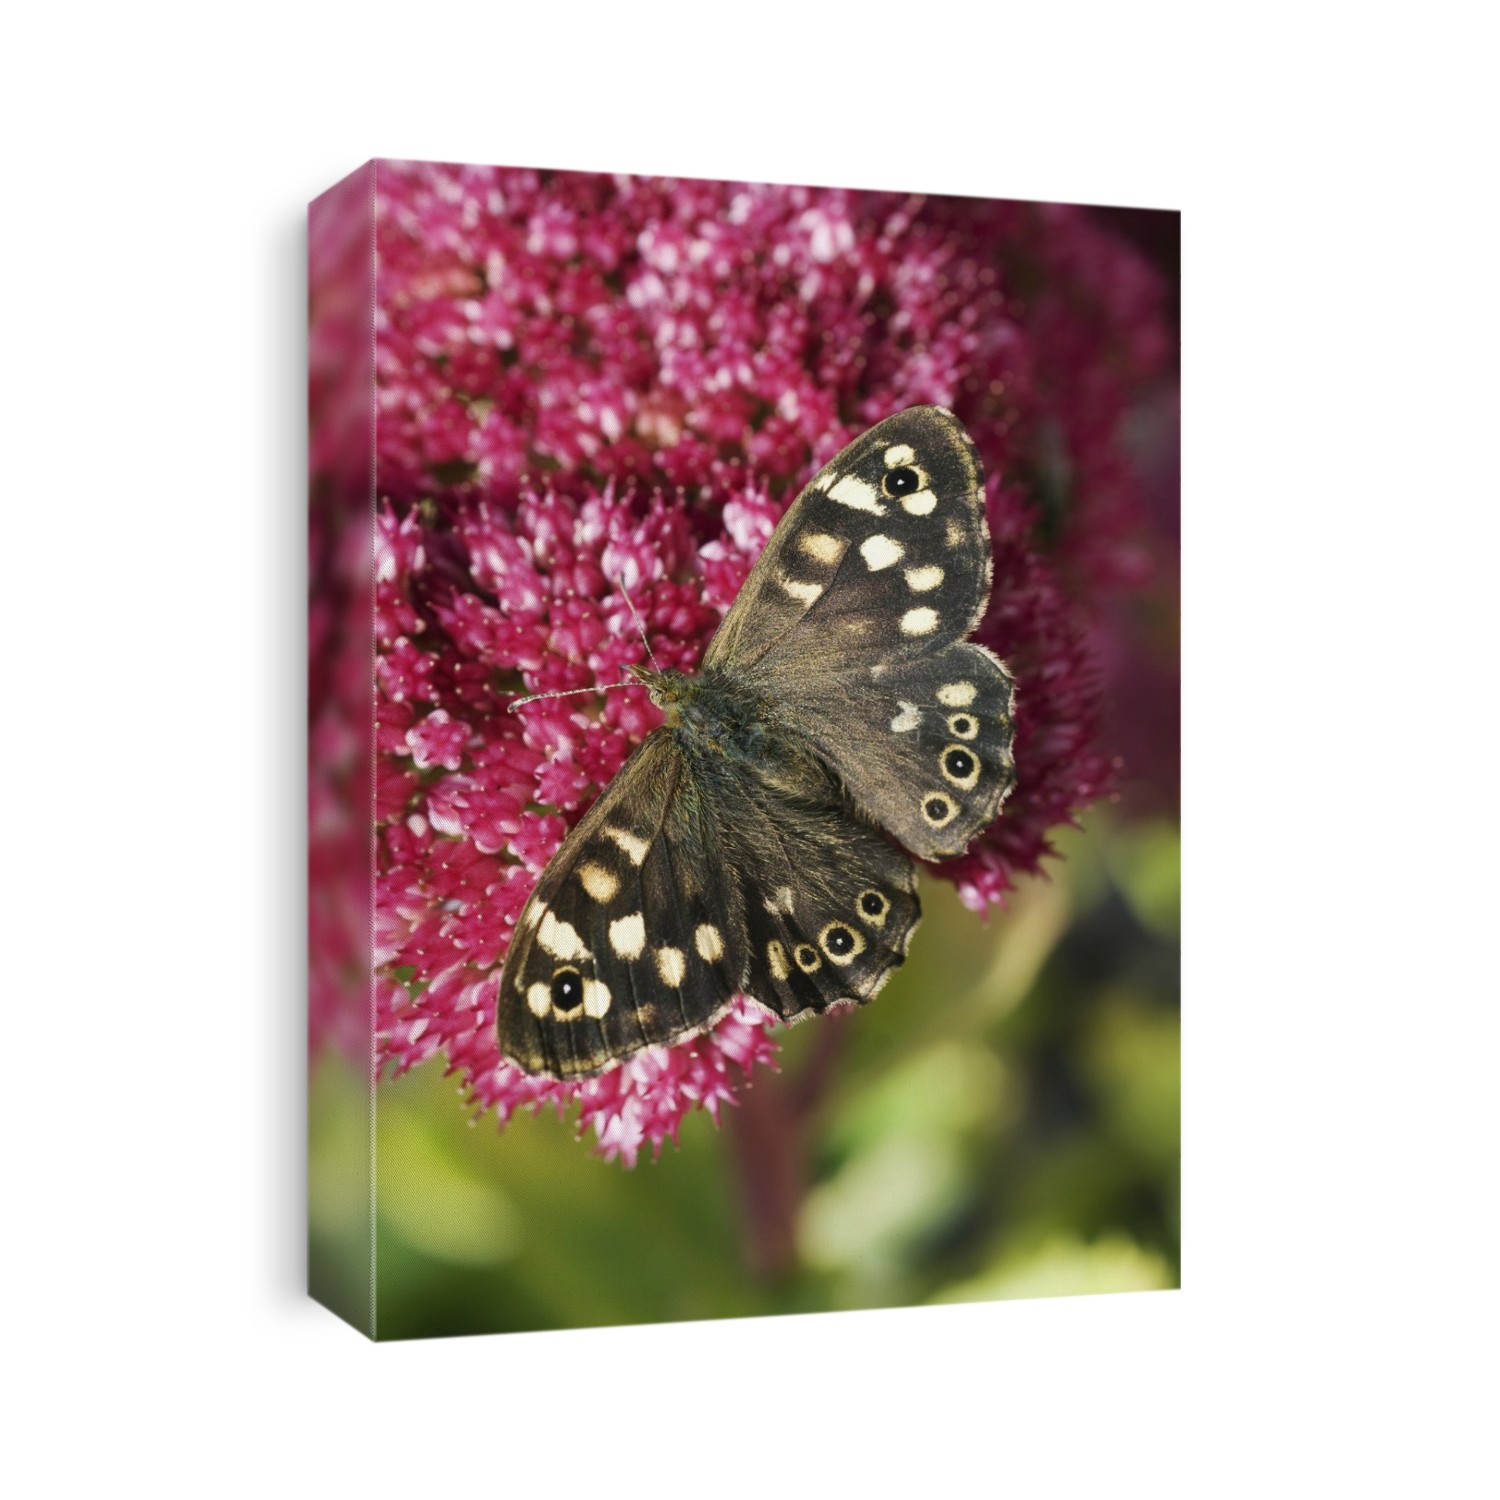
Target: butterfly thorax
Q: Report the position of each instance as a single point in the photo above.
(715, 713)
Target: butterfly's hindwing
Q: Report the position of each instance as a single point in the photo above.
(923, 746)
(829, 906)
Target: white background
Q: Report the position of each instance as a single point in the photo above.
(1336, 168)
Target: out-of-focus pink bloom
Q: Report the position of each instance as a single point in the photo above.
(588, 385)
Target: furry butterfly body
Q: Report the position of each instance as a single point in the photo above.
(745, 846)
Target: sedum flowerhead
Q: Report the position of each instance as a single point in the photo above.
(590, 386)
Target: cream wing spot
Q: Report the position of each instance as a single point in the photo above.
(908, 719)
(923, 580)
(560, 939)
(633, 846)
(957, 694)
(598, 882)
(539, 999)
(881, 552)
(776, 957)
(596, 998)
(671, 964)
(854, 492)
(901, 454)
(923, 503)
(779, 901)
(921, 621)
(807, 592)
(627, 936)
(709, 942)
(821, 547)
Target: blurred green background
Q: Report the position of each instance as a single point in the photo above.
(1001, 1122)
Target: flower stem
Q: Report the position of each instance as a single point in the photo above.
(768, 1134)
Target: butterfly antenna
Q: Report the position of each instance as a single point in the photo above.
(516, 703)
(630, 605)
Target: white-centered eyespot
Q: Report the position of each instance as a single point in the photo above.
(881, 552)
(627, 936)
(965, 726)
(957, 694)
(841, 943)
(874, 906)
(566, 992)
(921, 621)
(938, 809)
(960, 766)
(904, 482)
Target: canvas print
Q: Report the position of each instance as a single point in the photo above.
(743, 734)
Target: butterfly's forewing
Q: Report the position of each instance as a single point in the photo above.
(884, 555)
(628, 939)
(852, 621)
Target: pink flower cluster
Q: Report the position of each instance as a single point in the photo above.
(586, 382)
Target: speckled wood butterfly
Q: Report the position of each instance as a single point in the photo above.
(740, 848)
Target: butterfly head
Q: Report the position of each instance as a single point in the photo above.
(666, 688)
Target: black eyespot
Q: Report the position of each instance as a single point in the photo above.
(935, 808)
(567, 990)
(902, 481)
(872, 903)
(807, 957)
(959, 763)
(962, 724)
(839, 941)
